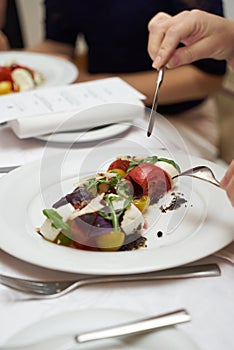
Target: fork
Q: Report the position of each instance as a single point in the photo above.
(201, 172)
(53, 289)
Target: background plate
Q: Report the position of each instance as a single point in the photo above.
(56, 71)
(97, 134)
(84, 320)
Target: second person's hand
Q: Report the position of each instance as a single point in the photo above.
(227, 182)
(4, 44)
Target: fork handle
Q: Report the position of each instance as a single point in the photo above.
(204, 270)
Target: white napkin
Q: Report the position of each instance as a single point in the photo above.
(103, 114)
(74, 107)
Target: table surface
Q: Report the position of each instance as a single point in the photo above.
(209, 300)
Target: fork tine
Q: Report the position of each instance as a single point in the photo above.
(34, 287)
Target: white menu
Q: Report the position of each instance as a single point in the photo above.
(65, 99)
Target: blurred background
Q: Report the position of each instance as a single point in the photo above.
(225, 102)
(27, 16)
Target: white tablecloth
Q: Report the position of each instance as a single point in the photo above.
(209, 300)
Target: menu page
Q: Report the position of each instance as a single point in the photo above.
(75, 97)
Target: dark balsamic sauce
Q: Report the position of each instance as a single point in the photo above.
(176, 202)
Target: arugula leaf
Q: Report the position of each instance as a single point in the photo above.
(111, 181)
(91, 183)
(170, 161)
(123, 188)
(113, 215)
(56, 219)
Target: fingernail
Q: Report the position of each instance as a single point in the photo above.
(224, 181)
(156, 63)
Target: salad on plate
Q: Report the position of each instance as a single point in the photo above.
(107, 211)
(15, 77)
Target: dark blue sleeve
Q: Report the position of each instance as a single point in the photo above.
(212, 6)
(58, 16)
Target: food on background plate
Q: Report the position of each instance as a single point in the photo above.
(106, 211)
(15, 78)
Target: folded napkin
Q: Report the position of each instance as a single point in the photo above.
(90, 117)
(75, 107)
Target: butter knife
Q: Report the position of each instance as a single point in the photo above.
(155, 101)
(64, 342)
(7, 169)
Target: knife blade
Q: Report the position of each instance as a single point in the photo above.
(155, 101)
(7, 169)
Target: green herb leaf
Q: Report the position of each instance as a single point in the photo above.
(92, 182)
(111, 181)
(113, 215)
(170, 161)
(123, 188)
(56, 219)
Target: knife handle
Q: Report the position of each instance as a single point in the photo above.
(136, 327)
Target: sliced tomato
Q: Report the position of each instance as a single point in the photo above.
(5, 74)
(149, 180)
(122, 164)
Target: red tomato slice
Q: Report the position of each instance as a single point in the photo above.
(119, 164)
(5, 74)
(150, 180)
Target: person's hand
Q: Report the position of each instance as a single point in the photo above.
(204, 35)
(228, 182)
(4, 44)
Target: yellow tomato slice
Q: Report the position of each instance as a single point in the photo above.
(111, 241)
(119, 171)
(5, 87)
(142, 203)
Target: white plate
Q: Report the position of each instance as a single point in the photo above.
(97, 134)
(56, 71)
(201, 227)
(75, 322)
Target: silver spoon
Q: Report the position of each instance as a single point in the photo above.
(201, 172)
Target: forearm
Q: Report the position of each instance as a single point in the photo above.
(2, 13)
(53, 48)
(142, 81)
(188, 83)
(4, 44)
(181, 84)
